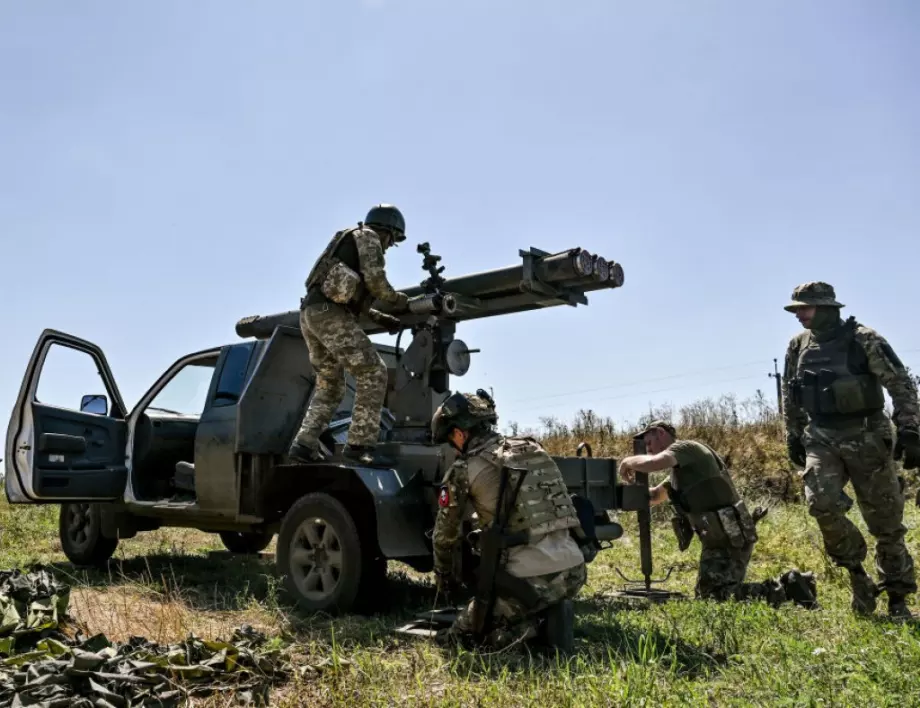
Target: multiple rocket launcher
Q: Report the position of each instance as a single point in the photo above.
(541, 280)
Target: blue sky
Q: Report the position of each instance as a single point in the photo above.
(169, 167)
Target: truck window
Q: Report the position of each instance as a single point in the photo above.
(68, 375)
(185, 393)
(233, 375)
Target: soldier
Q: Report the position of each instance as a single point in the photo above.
(539, 576)
(838, 430)
(342, 285)
(705, 500)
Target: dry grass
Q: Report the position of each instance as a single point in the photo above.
(749, 434)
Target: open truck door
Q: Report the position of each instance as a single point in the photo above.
(58, 453)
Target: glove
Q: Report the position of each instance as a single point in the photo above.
(390, 323)
(908, 447)
(796, 449)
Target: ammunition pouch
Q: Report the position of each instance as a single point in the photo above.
(340, 284)
(829, 395)
(729, 526)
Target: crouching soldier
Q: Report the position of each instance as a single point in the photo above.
(530, 566)
(705, 501)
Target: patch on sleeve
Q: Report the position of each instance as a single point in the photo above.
(444, 497)
(889, 352)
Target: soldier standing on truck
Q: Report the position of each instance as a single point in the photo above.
(343, 284)
(531, 515)
(706, 502)
(838, 430)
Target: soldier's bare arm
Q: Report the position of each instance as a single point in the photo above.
(884, 363)
(794, 416)
(646, 463)
(448, 524)
(370, 255)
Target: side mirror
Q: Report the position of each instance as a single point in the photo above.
(97, 404)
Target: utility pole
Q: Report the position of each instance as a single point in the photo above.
(779, 386)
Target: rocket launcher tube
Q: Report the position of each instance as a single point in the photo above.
(541, 280)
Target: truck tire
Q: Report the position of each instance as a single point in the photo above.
(246, 543)
(320, 555)
(80, 533)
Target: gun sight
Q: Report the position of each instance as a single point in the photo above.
(434, 282)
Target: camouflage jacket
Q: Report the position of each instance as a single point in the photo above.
(373, 268)
(883, 362)
(461, 495)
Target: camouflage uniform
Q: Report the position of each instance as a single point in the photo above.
(551, 562)
(704, 496)
(336, 296)
(721, 577)
(836, 426)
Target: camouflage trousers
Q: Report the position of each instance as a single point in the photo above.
(862, 457)
(511, 613)
(337, 344)
(721, 577)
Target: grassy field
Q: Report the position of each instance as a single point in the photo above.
(166, 584)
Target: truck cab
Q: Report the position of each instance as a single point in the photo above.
(204, 448)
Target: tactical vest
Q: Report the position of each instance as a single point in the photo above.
(336, 275)
(833, 382)
(715, 510)
(543, 504)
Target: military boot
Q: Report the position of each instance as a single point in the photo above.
(775, 593)
(897, 607)
(801, 588)
(302, 455)
(864, 591)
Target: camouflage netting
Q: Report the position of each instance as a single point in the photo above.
(41, 666)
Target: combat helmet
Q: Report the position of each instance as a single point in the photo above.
(815, 293)
(388, 217)
(465, 411)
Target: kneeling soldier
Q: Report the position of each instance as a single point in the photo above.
(530, 565)
(705, 501)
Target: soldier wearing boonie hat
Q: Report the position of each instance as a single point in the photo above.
(837, 429)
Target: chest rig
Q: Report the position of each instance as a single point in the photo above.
(833, 382)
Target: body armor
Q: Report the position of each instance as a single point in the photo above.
(833, 381)
(714, 510)
(543, 503)
(336, 275)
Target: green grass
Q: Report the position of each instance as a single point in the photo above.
(168, 583)
(165, 584)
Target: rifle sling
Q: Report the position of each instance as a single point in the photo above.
(492, 542)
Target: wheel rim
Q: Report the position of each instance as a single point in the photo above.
(79, 524)
(316, 559)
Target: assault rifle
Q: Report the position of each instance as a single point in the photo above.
(492, 543)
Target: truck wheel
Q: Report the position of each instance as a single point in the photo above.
(80, 532)
(320, 555)
(246, 543)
